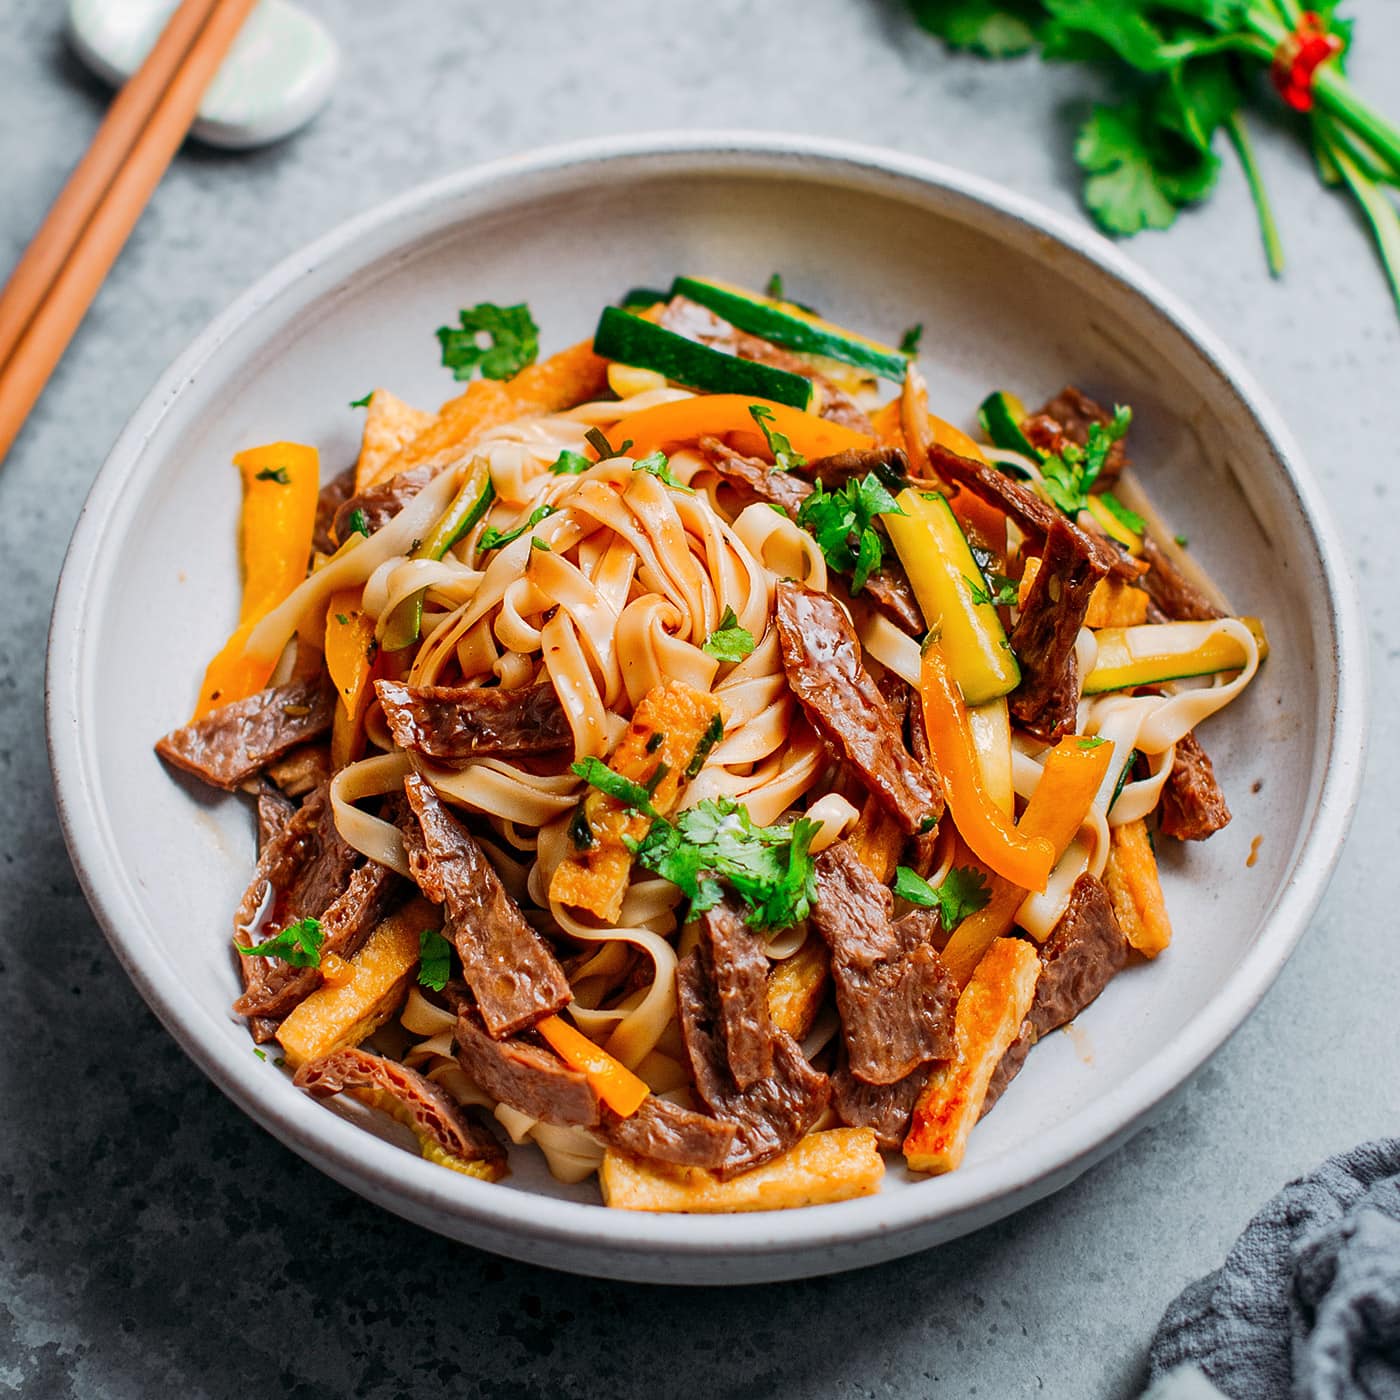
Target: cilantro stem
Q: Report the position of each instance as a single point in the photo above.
(1337, 96)
(1380, 212)
(1268, 229)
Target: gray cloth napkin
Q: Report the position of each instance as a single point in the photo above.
(1307, 1303)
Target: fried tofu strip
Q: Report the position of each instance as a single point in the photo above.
(877, 840)
(1113, 603)
(672, 727)
(796, 987)
(390, 425)
(568, 378)
(837, 1165)
(1136, 889)
(344, 1012)
(989, 1016)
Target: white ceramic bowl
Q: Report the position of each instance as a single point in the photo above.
(1009, 296)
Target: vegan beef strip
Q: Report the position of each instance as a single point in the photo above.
(772, 1114)
(430, 1112)
(895, 997)
(695, 322)
(890, 465)
(1067, 418)
(884, 1107)
(661, 1131)
(1034, 515)
(1193, 805)
(380, 504)
(737, 966)
(514, 977)
(274, 812)
(1044, 640)
(453, 724)
(1085, 950)
(333, 495)
(528, 1078)
(822, 659)
(235, 742)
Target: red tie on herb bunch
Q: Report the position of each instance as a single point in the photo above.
(1194, 64)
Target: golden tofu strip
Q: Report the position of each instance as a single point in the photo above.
(344, 1012)
(1136, 889)
(390, 425)
(796, 987)
(837, 1165)
(877, 839)
(672, 730)
(989, 1016)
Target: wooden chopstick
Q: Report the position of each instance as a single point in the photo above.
(90, 255)
(130, 111)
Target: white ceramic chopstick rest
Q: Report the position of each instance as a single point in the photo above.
(277, 75)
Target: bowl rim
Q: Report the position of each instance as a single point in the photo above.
(391, 1176)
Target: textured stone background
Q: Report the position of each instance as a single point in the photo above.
(155, 1243)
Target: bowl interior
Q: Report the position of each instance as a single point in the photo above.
(1002, 305)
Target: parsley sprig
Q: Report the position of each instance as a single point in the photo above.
(843, 524)
(1193, 67)
(497, 340)
(298, 944)
(963, 891)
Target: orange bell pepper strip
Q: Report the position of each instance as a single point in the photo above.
(1056, 810)
(350, 653)
(280, 484)
(1023, 859)
(612, 1081)
(686, 421)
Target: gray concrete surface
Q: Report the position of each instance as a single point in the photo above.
(155, 1243)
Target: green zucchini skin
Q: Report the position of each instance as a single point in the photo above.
(791, 332)
(632, 341)
(1002, 426)
(641, 297)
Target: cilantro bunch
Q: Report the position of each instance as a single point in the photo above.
(1188, 69)
(843, 524)
(497, 340)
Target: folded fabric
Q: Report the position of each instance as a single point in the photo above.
(1307, 1302)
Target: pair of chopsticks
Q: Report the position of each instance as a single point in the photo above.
(55, 281)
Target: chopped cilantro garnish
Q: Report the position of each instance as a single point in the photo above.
(434, 959)
(910, 340)
(632, 795)
(261, 1054)
(655, 742)
(1180, 539)
(364, 402)
(359, 525)
(298, 944)
(842, 523)
(1124, 775)
(655, 464)
(963, 892)
(497, 340)
(729, 641)
(569, 463)
(343, 619)
(769, 867)
(277, 474)
(598, 440)
(580, 832)
(492, 538)
(1069, 476)
(712, 735)
(541, 545)
(774, 288)
(1092, 741)
(785, 457)
(996, 590)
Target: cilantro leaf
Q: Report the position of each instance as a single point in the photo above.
(541, 545)
(963, 891)
(359, 525)
(994, 28)
(909, 342)
(842, 523)
(1136, 180)
(434, 959)
(995, 590)
(492, 538)
(656, 464)
(570, 464)
(774, 289)
(1091, 741)
(497, 340)
(632, 795)
(729, 641)
(785, 457)
(277, 474)
(770, 868)
(298, 944)
(1068, 476)
(1120, 27)
(364, 402)
(598, 440)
